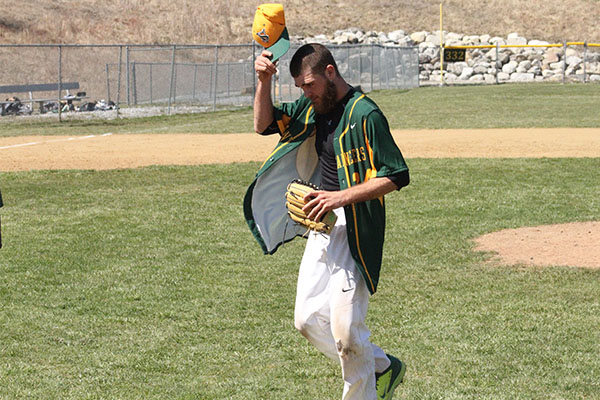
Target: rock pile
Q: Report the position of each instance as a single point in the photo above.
(515, 64)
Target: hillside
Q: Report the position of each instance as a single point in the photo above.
(229, 21)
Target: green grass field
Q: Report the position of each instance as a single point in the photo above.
(147, 284)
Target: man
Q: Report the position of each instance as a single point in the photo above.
(358, 163)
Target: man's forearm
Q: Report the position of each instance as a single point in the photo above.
(319, 202)
(263, 106)
(369, 190)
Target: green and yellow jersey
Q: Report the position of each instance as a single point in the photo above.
(364, 148)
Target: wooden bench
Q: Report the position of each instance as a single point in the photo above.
(41, 87)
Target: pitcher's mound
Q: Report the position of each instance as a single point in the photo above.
(574, 244)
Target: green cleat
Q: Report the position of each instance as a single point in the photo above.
(389, 379)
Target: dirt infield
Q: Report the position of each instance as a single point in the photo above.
(110, 151)
(574, 244)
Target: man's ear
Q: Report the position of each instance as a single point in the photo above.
(330, 72)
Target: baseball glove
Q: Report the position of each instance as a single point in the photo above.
(294, 201)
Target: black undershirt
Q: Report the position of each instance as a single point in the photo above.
(326, 126)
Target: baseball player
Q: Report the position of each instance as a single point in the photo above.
(335, 136)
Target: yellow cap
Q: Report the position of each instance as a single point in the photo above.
(269, 29)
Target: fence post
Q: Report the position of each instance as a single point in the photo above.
(280, 88)
(274, 87)
(133, 81)
(387, 73)
(151, 99)
(394, 80)
(585, 47)
(59, 82)
(359, 65)
(119, 81)
(228, 83)
(216, 76)
(372, 64)
(498, 66)
(564, 78)
(172, 77)
(127, 72)
(253, 71)
(107, 84)
(194, 87)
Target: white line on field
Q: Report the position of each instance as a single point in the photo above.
(12, 146)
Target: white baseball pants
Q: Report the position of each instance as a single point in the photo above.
(331, 306)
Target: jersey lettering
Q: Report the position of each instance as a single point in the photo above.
(351, 156)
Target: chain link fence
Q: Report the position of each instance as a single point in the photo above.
(138, 80)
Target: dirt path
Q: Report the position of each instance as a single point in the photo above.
(129, 151)
(575, 244)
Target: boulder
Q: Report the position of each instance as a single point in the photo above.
(471, 39)
(497, 40)
(453, 36)
(489, 78)
(574, 61)
(450, 77)
(424, 45)
(397, 35)
(418, 37)
(555, 78)
(383, 38)
(571, 52)
(514, 39)
(552, 55)
(593, 67)
(537, 43)
(453, 42)
(520, 57)
(433, 39)
(466, 73)
(510, 67)
(480, 69)
(406, 41)
(522, 77)
(424, 58)
(322, 39)
(457, 67)
(536, 56)
(524, 66)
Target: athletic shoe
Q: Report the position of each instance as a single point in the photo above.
(388, 380)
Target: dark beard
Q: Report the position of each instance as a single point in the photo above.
(328, 100)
